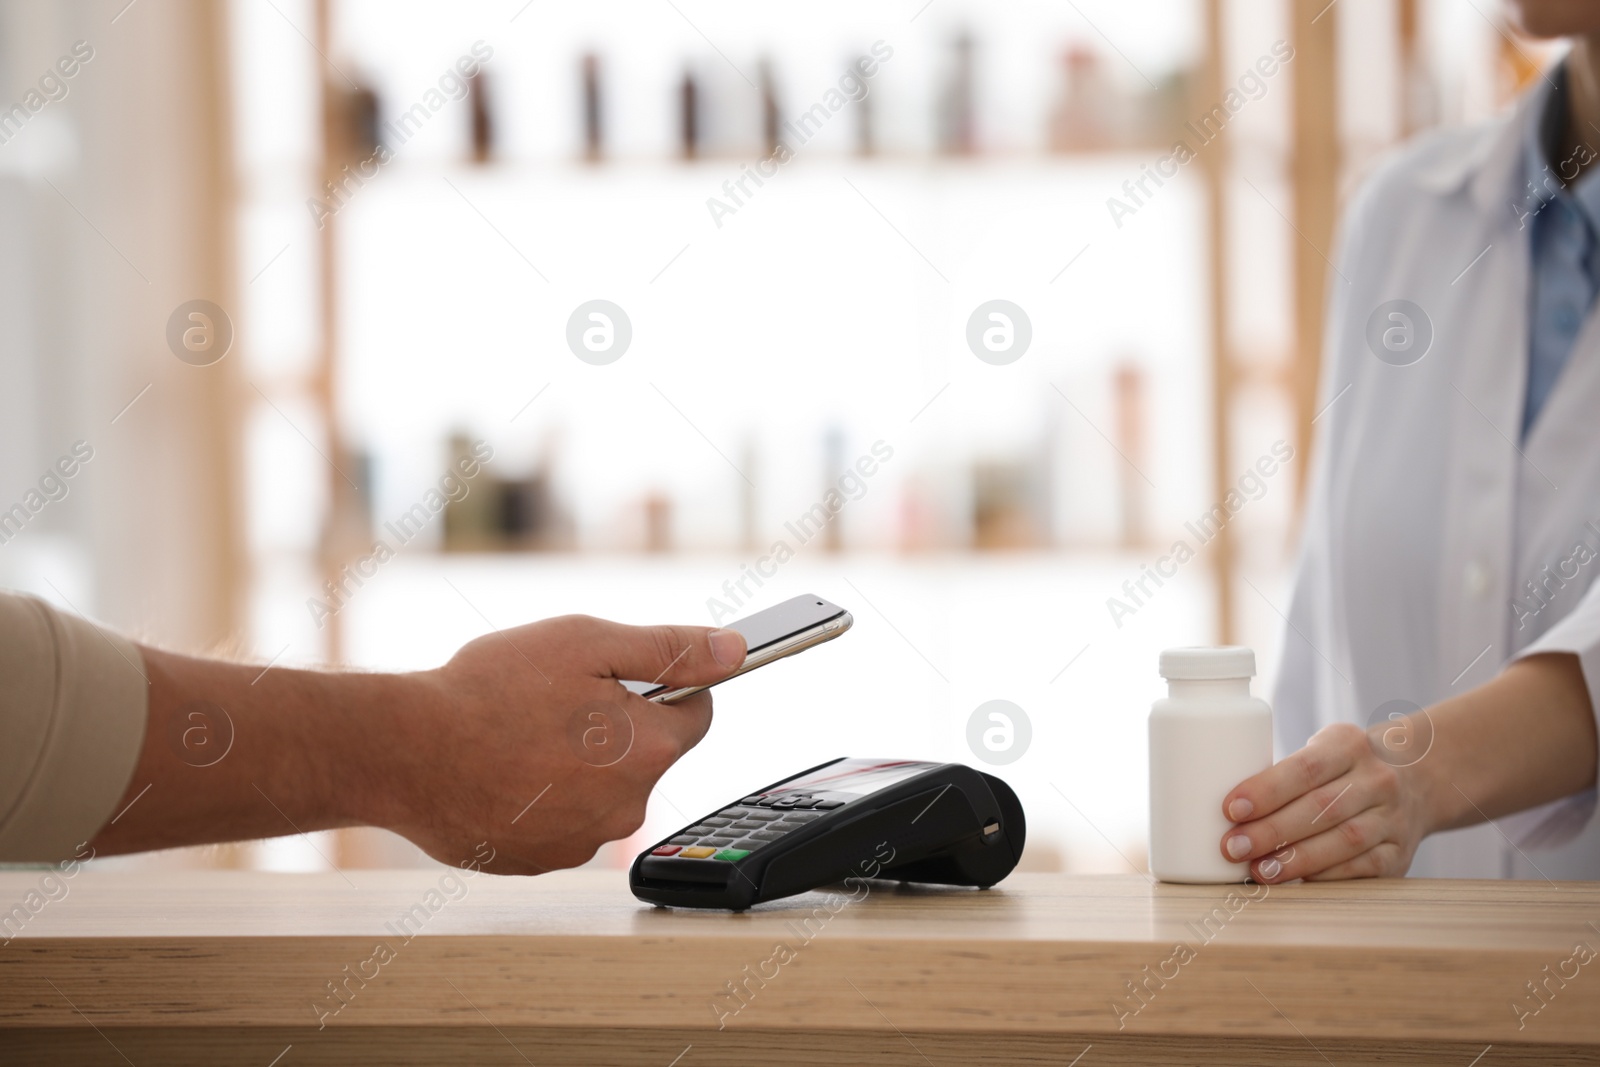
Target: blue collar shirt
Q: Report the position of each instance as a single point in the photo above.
(1563, 219)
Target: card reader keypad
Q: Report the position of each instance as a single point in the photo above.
(737, 830)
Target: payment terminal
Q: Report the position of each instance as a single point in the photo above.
(906, 820)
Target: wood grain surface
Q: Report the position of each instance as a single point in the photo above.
(570, 968)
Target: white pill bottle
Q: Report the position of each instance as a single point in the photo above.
(1206, 736)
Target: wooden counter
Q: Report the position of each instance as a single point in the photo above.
(236, 967)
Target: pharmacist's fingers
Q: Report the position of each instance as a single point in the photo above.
(1386, 860)
(1322, 809)
(1331, 752)
(1343, 844)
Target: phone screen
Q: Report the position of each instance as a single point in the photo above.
(793, 616)
(764, 629)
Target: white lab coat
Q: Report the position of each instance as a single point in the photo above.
(1426, 513)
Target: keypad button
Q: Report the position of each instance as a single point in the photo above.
(752, 799)
(666, 850)
(699, 828)
(699, 852)
(733, 813)
(765, 816)
(828, 805)
(748, 843)
(715, 820)
(767, 835)
(802, 817)
(748, 824)
(719, 842)
(731, 854)
(785, 802)
(684, 839)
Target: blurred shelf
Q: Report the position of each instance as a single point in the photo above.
(935, 161)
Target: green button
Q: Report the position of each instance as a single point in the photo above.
(732, 854)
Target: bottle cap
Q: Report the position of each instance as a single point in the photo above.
(1200, 662)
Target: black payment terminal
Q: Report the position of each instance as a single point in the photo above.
(905, 820)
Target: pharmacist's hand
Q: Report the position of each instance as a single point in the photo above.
(1335, 809)
(532, 745)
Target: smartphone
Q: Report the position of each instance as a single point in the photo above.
(781, 630)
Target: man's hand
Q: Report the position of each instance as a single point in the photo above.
(1355, 803)
(525, 741)
(533, 744)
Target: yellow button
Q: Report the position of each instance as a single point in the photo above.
(699, 852)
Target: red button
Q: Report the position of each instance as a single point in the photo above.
(666, 850)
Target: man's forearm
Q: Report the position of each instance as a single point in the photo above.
(1525, 738)
(231, 752)
(487, 754)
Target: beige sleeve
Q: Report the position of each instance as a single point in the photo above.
(73, 702)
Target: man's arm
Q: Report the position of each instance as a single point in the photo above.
(506, 743)
(1355, 803)
(231, 752)
(72, 719)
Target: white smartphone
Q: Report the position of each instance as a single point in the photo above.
(781, 630)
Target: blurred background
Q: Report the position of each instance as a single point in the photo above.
(281, 263)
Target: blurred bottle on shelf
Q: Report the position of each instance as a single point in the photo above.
(1005, 505)
(833, 462)
(349, 524)
(351, 126)
(916, 518)
(1163, 113)
(866, 123)
(1129, 388)
(657, 522)
(770, 111)
(957, 132)
(520, 511)
(498, 514)
(688, 116)
(1093, 113)
(364, 108)
(1050, 455)
(593, 128)
(749, 534)
(1087, 106)
(530, 516)
(1087, 472)
(483, 125)
(935, 509)
(471, 523)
